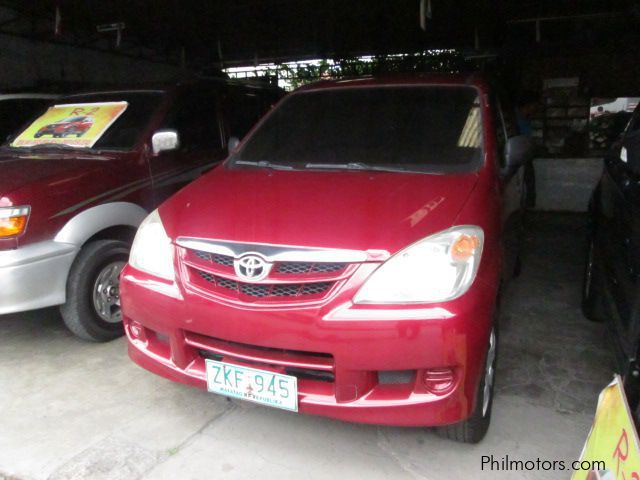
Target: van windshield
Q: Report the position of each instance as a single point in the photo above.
(433, 129)
(122, 133)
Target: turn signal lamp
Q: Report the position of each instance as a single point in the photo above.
(13, 221)
(464, 246)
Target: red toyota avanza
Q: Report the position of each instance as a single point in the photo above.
(346, 259)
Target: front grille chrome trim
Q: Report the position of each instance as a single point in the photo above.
(273, 253)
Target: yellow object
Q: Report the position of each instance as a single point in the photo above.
(10, 227)
(613, 439)
(77, 125)
(464, 247)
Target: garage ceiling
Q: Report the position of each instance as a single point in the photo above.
(206, 32)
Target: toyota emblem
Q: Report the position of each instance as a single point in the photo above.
(251, 268)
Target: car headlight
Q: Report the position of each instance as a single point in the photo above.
(13, 220)
(152, 251)
(438, 268)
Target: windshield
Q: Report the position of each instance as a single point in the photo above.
(122, 134)
(14, 112)
(426, 129)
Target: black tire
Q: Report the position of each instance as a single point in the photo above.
(592, 286)
(80, 313)
(474, 428)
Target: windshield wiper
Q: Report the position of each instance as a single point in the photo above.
(264, 164)
(356, 166)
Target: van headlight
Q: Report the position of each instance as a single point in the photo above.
(152, 251)
(438, 268)
(13, 220)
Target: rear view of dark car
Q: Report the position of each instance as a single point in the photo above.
(612, 274)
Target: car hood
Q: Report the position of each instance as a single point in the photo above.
(43, 170)
(350, 210)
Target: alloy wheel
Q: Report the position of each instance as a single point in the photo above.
(106, 292)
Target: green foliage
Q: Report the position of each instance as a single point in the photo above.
(446, 61)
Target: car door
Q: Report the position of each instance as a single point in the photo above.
(620, 233)
(195, 115)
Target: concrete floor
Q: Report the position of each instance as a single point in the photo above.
(72, 410)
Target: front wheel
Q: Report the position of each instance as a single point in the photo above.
(92, 311)
(474, 428)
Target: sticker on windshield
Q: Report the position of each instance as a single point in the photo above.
(76, 125)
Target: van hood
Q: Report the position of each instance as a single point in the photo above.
(41, 170)
(356, 210)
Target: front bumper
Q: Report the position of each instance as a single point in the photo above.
(172, 331)
(34, 276)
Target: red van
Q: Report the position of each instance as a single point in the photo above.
(346, 260)
(68, 214)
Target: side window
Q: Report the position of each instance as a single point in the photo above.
(242, 110)
(195, 117)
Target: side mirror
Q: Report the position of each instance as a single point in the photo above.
(518, 151)
(164, 140)
(233, 143)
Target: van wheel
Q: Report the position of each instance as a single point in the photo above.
(592, 301)
(92, 311)
(474, 428)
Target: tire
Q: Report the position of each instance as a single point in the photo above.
(474, 428)
(592, 286)
(94, 281)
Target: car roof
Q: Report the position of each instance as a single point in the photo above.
(26, 96)
(473, 79)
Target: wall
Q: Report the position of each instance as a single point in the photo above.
(26, 63)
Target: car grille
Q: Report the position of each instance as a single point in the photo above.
(287, 281)
(211, 257)
(287, 268)
(262, 290)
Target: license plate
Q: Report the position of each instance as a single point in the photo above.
(259, 386)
